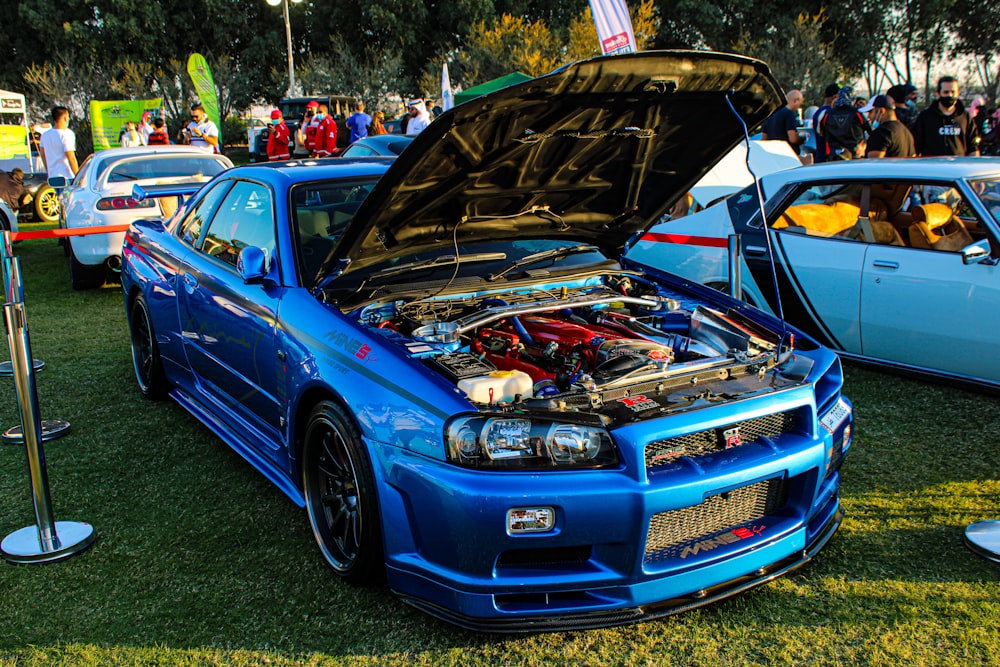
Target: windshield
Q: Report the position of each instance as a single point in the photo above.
(988, 191)
(160, 166)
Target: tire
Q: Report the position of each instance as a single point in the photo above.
(46, 204)
(340, 496)
(82, 276)
(145, 351)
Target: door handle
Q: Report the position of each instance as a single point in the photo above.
(885, 264)
(189, 281)
(755, 250)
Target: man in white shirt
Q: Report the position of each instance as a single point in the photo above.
(419, 118)
(203, 132)
(58, 146)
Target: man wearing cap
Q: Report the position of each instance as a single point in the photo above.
(829, 97)
(905, 98)
(308, 127)
(419, 118)
(889, 137)
(277, 140)
(944, 127)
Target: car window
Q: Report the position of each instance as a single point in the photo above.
(358, 150)
(81, 179)
(320, 212)
(927, 216)
(164, 167)
(244, 218)
(195, 220)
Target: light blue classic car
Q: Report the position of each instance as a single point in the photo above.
(442, 360)
(889, 261)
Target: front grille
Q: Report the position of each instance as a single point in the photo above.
(662, 452)
(718, 519)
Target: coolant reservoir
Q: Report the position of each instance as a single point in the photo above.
(497, 387)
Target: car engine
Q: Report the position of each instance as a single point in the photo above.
(575, 345)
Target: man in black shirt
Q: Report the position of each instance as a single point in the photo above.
(784, 124)
(944, 127)
(889, 138)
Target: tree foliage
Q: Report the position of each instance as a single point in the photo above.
(72, 51)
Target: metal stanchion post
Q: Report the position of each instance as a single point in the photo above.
(735, 270)
(51, 428)
(42, 542)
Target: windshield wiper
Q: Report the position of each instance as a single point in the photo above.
(441, 260)
(555, 253)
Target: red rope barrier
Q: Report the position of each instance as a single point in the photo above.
(62, 232)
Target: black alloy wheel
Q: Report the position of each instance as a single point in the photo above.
(145, 351)
(340, 496)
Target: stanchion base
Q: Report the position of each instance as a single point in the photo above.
(51, 429)
(23, 546)
(983, 538)
(7, 367)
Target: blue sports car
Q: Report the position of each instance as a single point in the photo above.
(442, 359)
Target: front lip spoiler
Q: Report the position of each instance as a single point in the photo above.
(614, 617)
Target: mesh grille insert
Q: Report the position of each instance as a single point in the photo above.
(671, 532)
(662, 452)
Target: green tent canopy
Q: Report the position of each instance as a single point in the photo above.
(490, 86)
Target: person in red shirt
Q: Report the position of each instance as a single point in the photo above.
(159, 136)
(308, 127)
(277, 140)
(326, 134)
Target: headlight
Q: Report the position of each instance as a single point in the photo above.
(520, 443)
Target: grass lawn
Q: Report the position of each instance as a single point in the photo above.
(199, 561)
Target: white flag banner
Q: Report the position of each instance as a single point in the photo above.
(447, 99)
(614, 26)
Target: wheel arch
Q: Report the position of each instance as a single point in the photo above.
(304, 406)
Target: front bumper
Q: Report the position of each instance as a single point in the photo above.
(623, 616)
(638, 542)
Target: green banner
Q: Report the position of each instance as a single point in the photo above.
(108, 117)
(204, 85)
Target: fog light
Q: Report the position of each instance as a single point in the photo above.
(530, 520)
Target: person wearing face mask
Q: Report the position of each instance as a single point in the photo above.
(889, 137)
(278, 137)
(944, 127)
(326, 133)
(905, 97)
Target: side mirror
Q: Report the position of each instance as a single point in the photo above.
(975, 253)
(58, 182)
(252, 264)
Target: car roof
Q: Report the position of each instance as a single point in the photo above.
(937, 168)
(291, 172)
(152, 150)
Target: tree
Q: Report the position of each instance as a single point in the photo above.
(977, 31)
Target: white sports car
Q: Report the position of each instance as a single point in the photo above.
(101, 194)
(892, 262)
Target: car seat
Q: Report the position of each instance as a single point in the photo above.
(936, 227)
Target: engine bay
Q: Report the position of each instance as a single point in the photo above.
(576, 345)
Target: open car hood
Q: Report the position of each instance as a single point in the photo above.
(593, 152)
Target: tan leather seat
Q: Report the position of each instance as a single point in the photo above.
(936, 227)
(313, 222)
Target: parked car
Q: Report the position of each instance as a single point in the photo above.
(39, 201)
(440, 357)
(913, 290)
(383, 145)
(257, 129)
(101, 194)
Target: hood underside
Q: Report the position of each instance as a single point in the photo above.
(593, 152)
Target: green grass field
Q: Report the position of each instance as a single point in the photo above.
(199, 561)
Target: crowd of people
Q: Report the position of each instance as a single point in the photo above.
(888, 124)
(316, 134)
